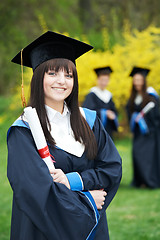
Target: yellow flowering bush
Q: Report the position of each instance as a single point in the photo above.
(139, 49)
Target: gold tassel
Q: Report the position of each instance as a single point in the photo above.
(24, 104)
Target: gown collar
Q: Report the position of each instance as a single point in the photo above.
(103, 95)
(62, 132)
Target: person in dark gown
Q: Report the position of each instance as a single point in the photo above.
(70, 201)
(146, 131)
(100, 100)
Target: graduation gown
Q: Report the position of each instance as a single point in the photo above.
(46, 210)
(94, 101)
(145, 148)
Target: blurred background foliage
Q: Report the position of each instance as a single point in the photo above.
(123, 33)
(101, 22)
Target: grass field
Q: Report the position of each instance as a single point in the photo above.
(134, 214)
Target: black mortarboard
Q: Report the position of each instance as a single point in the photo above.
(143, 71)
(103, 70)
(51, 45)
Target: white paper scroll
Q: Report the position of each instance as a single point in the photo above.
(145, 110)
(38, 136)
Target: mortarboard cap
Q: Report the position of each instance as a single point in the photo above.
(143, 71)
(48, 46)
(103, 70)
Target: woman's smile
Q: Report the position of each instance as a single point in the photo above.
(57, 87)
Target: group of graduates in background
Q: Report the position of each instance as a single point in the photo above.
(143, 114)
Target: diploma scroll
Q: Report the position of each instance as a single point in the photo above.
(145, 110)
(38, 136)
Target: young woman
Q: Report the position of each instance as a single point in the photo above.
(70, 201)
(100, 100)
(146, 134)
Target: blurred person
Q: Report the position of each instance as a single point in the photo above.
(68, 202)
(145, 129)
(100, 100)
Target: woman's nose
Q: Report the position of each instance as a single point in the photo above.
(61, 79)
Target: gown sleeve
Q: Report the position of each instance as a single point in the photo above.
(110, 106)
(113, 108)
(127, 108)
(107, 169)
(89, 102)
(110, 125)
(152, 118)
(49, 206)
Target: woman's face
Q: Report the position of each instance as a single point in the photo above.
(57, 87)
(138, 82)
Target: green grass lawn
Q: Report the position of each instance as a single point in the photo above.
(5, 190)
(5, 196)
(134, 214)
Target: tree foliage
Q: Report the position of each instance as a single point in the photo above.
(23, 21)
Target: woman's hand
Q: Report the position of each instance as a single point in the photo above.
(99, 197)
(60, 177)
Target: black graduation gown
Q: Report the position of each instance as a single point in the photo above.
(44, 210)
(145, 149)
(93, 102)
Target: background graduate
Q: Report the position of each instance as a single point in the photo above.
(71, 204)
(146, 131)
(100, 100)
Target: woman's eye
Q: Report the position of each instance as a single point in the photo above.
(69, 75)
(52, 73)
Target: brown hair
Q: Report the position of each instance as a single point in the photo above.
(145, 96)
(80, 127)
(103, 72)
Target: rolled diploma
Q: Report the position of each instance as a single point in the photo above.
(145, 110)
(38, 136)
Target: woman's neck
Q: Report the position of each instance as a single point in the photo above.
(57, 106)
(101, 88)
(140, 92)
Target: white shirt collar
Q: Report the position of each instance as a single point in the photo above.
(62, 132)
(53, 114)
(138, 99)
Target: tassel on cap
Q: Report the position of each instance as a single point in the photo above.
(24, 104)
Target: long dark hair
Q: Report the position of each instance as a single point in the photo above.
(145, 96)
(80, 127)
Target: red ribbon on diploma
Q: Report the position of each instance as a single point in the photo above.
(44, 152)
